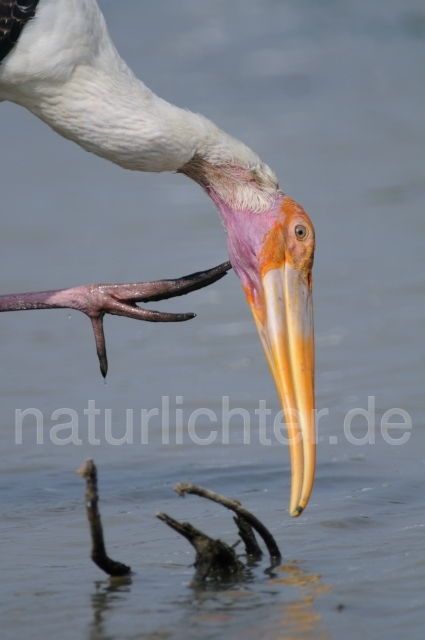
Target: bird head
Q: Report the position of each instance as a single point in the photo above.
(271, 246)
(272, 253)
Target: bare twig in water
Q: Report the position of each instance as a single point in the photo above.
(184, 488)
(212, 556)
(98, 552)
(247, 536)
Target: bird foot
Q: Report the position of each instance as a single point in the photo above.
(96, 300)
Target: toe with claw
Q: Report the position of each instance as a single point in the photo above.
(96, 300)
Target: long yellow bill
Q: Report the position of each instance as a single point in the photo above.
(285, 326)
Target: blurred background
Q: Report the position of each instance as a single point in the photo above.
(330, 94)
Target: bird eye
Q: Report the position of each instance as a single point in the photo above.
(301, 231)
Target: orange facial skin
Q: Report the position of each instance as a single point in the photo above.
(280, 245)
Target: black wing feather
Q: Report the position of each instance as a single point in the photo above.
(14, 15)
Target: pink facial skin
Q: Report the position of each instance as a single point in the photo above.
(246, 233)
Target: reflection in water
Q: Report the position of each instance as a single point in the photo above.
(103, 601)
(299, 620)
(220, 607)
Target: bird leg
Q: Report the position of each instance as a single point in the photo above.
(96, 300)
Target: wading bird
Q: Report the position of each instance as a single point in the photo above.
(58, 61)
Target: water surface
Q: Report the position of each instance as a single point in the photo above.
(331, 95)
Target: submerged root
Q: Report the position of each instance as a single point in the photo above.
(98, 553)
(214, 558)
(245, 520)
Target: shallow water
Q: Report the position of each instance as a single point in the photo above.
(331, 95)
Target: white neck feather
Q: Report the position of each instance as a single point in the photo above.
(66, 70)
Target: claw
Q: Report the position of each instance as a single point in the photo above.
(164, 289)
(99, 336)
(136, 313)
